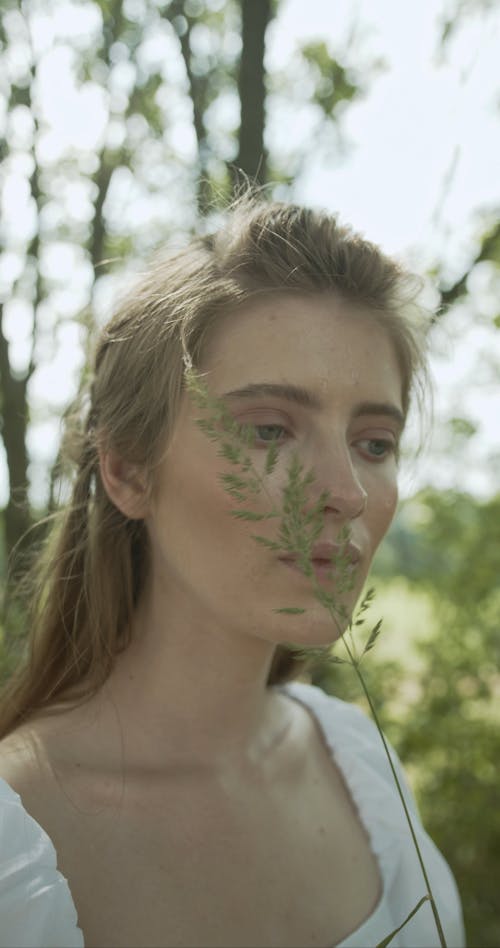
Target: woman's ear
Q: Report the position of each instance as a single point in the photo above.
(124, 483)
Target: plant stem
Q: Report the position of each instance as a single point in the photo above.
(373, 711)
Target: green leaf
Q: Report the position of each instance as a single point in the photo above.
(271, 459)
(244, 433)
(208, 428)
(230, 452)
(337, 660)
(386, 941)
(236, 494)
(247, 515)
(374, 634)
(462, 427)
(291, 610)
(332, 81)
(366, 601)
(271, 544)
(232, 480)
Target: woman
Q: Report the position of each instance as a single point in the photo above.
(194, 793)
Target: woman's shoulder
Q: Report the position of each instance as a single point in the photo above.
(342, 721)
(361, 752)
(24, 767)
(36, 907)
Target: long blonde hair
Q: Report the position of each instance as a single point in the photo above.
(94, 561)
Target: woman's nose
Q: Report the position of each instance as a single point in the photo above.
(338, 479)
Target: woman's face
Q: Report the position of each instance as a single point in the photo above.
(322, 378)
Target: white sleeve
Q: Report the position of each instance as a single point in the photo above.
(36, 907)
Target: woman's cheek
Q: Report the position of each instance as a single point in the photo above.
(385, 501)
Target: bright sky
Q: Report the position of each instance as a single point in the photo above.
(418, 170)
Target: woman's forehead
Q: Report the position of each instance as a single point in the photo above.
(316, 344)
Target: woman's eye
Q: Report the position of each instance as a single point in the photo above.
(378, 448)
(269, 433)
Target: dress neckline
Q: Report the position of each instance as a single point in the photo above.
(377, 924)
(368, 802)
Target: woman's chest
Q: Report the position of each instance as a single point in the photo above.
(290, 869)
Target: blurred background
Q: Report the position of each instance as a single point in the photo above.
(123, 124)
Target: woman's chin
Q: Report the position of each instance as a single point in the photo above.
(312, 635)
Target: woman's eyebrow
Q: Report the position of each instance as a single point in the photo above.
(308, 399)
(292, 393)
(380, 408)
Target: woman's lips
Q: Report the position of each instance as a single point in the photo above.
(322, 569)
(335, 561)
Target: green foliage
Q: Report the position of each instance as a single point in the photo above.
(439, 702)
(462, 427)
(453, 739)
(453, 734)
(448, 542)
(333, 83)
(461, 11)
(489, 252)
(438, 706)
(12, 637)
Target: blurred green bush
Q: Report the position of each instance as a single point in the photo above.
(436, 687)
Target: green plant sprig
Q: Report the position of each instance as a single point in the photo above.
(297, 532)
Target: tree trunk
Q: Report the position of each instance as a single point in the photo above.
(198, 94)
(17, 518)
(255, 18)
(14, 390)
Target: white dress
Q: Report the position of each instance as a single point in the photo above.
(37, 909)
